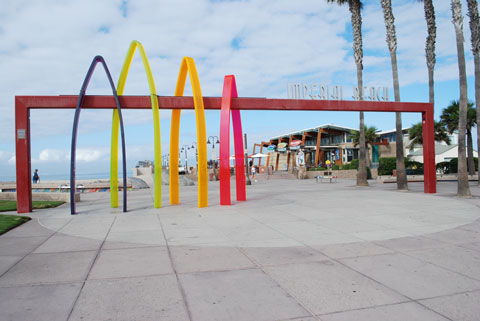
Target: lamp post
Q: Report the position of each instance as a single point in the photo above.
(247, 172)
(194, 145)
(184, 148)
(213, 142)
(166, 160)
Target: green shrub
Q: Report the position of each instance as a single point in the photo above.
(443, 167)
(413, 167)
(452, 166)
(336, 167)
(347, 166)
(354, 164)
(316, 169)
(386, 165)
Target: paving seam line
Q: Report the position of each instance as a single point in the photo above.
(336, 260)
(384, 285)
(180, 287)
(348, 267)
(23, 257)
(90, 269)
(281, 287)
(443, 267)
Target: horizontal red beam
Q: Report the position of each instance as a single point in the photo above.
(211, 103)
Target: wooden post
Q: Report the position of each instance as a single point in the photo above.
(317, 150)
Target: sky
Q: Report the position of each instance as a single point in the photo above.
(46, 47)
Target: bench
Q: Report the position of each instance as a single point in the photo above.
(327, 176)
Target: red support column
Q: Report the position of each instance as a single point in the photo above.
(22, 149)
(229, 92)
(429, 170)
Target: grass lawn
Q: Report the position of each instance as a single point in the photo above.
(7, 222)
(12, 205)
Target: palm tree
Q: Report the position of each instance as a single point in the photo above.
(475, 38)
(355, 7)
(450, 117)
(430, 45)
(463, 189)
(370, 137)
(392, 47)
(415, 134)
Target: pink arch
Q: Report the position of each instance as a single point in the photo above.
(229, 92)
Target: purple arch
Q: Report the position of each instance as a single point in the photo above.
(81, 98)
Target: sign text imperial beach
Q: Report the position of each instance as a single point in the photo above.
(328, 92)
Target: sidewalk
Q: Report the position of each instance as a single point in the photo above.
(295, 250)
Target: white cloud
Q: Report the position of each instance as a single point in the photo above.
(91, 155)
(5, 155)
(277, 39)
(46, 47)
(50, 155)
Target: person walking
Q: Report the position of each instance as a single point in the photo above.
(253, 170)
(36, 178)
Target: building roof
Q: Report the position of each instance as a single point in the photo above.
(384, 132)
(324, 126)
(439, 149)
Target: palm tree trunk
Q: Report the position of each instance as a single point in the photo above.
(392, 46)
(430, 46)
(477, 102)
(362, 161)
(402, 183)
(463, 189)
(431, 90)
(470, 161)
(475, 38)
(355, 7)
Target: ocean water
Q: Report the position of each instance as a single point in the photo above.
(65, 176)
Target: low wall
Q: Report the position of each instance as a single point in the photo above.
(139, 171)
(419, 178)
(41, 196)
(348, 173)
(56, 184)
(345, 173)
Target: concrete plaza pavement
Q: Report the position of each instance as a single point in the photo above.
(295, 250)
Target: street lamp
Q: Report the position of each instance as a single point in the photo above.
(213, 142)
(247, 172)
(185, 148)
(194, 145)
(166, 160)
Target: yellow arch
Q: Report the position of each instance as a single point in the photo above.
(188, 66)
(156, 127)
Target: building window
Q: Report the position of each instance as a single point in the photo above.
(352, 154)
(338, 139)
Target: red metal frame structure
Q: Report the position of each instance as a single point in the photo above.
(23, 104)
